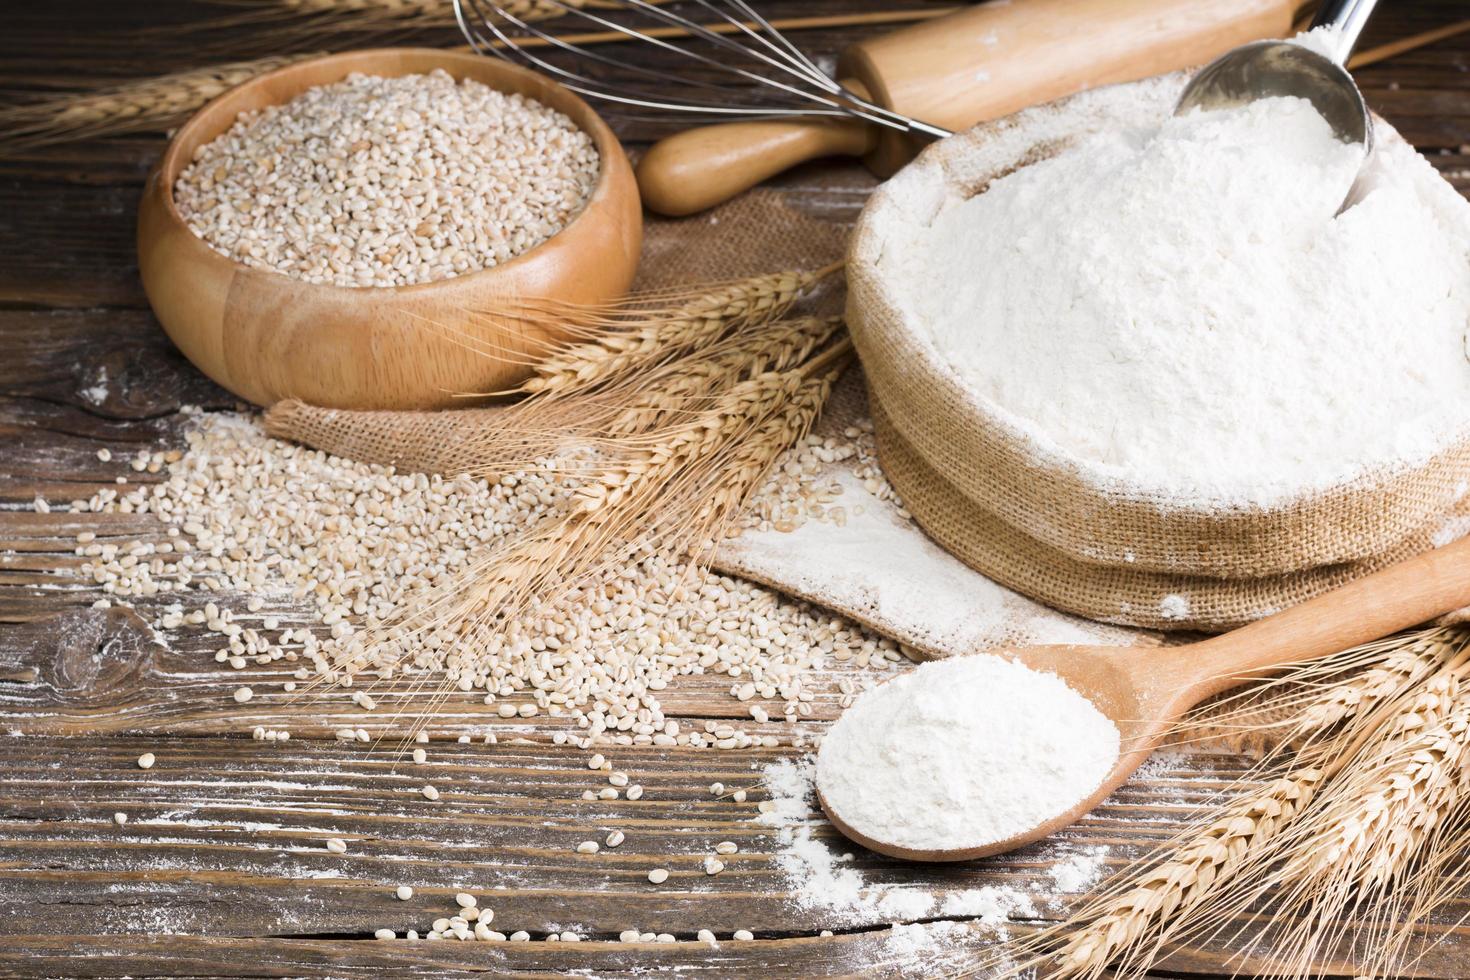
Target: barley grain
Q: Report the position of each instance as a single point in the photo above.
(492, 175)
(1187, 877)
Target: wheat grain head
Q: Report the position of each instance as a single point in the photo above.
(148, 105)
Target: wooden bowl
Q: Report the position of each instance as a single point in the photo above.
(266, 336)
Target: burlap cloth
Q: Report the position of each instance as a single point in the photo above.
(1053, 527)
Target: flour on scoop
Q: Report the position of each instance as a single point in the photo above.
(964, 752)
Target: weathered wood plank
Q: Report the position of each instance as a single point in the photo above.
(220, 869)
(226, 819)
(224, 839)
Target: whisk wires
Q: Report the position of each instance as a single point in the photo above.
(748, 68)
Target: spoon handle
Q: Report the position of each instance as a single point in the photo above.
(1370, 608)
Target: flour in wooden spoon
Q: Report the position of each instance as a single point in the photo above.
(1180, 310)
(962, 753)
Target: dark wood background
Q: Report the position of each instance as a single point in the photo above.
(220, 870)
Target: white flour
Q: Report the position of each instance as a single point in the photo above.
(963, 752)
(880, 568)
(824, 879)
(1177, 310)
(823, 876)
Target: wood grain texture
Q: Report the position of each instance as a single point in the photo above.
(220, 869)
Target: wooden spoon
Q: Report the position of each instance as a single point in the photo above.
(1145, 691)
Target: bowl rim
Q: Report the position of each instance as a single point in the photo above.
(172, 162)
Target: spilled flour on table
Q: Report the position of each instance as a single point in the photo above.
(819, 867)
(828, 527)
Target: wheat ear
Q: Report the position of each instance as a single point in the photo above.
(1331, 710)
(1140, 919)
(680, 389)
(149, 105)
(285, 21)
(1381, 819)
(537, 431)
(663, 492)
(628, 339)
(1313, 700)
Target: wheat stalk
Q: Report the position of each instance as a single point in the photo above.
(662, 492)
(1142, 918)
(630, 338)
(1374, 731)
(148, 105)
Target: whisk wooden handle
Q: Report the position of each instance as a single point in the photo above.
(699, 168)
(694, 170)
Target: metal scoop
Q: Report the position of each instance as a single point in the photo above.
(1276, 68)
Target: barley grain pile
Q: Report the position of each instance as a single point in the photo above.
(388, 181)
(246, 512)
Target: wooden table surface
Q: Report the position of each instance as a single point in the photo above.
(220, 870)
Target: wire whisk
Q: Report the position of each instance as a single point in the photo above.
(747, 69)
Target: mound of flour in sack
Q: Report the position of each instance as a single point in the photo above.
(1183, 309)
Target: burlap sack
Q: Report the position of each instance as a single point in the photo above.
(1049, 526)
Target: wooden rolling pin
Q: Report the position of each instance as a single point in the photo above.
(955, 71)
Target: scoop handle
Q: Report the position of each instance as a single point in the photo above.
(1395, 598)
(1348, 18)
